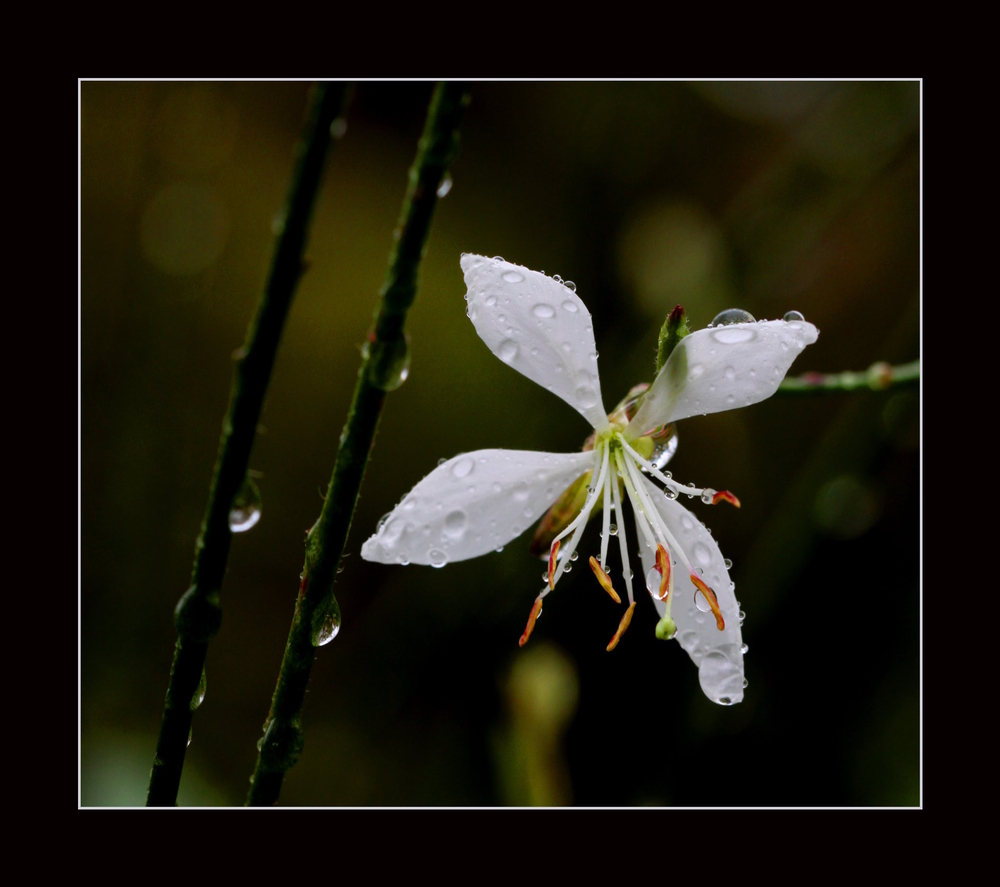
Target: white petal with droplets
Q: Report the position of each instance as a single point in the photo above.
(722, 368)
(473, 504)
(538, 326)
(716, 653)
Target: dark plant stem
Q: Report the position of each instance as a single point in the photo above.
(383, 368)
(878, 376)
(198, 614)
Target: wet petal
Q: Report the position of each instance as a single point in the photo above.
(538, 326)
(716, 653)
(473, 504)
(722, 368)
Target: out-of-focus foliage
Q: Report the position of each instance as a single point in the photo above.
(767, 197)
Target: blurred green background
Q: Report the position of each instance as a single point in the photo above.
(764, 196)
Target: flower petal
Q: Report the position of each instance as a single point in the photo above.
(718, 654)
(718, 369)
(473, 504)
(538, 326)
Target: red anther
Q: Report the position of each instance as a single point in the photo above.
(604, 579)
(626, 619)
(536, 609)
(553, 551)
(725, 496)
(713, 601)
(663, 565)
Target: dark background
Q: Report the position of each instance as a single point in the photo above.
(767, 197)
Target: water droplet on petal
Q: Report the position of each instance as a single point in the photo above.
(442, 460)
(508, 350)
(664, 451)
(437, 558)
(744, 649)
(613, 529)
(729, 564)
(653, 581)
(245, 511)
(544, 311)
(520, 492)
(463, 467)
(730, 373)
(490, 300)
(734, 336)
(730, 316)
(513, 276)
(454, 524)
(570, 306)
(570, 285)
(791, 316)
(669, 493)
(701, 552)
(701, 602)
(586, 397)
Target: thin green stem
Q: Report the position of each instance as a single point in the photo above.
(383, 368)
(878, 376)
(198, 614)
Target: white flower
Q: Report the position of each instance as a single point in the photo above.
(478, 502)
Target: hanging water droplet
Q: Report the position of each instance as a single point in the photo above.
(545, 576)
(325, 622)
(730, 316)
(791, 316)
(574, 555)
(568, 568)
(744, 649)
(669, 493)
(707, 495)
(746, 683)
(570, 285)
(445, 186)
(402, 560)
(742, 616)
(437, 558)
(508, 350)
(499, 549)
(245, 511)
(190, 734)
(388, 362)
(664, 450)
(199, 692)
(724, 700)
(441, 461)
(613, 529)
(729, 565)
(382, 520)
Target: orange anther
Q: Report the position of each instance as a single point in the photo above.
(713, 601)
(553, 551)
(663, 565)
(604, 579)
(725, 496)
(626, 619)
(536, 609)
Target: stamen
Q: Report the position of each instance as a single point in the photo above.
(622, 542)
(536, 610)
(713, 601)
(604, 579)
(663, 565)
(553, 553)
(725, 496)
(626, 619)
(606, 522)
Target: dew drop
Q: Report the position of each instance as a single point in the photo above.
(653, 581)
(445, 186)
(508, 350)
(731, 316)
(570, 285)
(574, 556)
(199, 692)
(707, 495)
(441, 461)
(499, 548)
(568, 568)
(325, 623)
(702, 553)
(490, 300)
(664, 451)
(402, 560)
(730, 373)
(497, 487)
(701, 602)
(463, 467)
(746, 683)
(586, 397)
(544, 311)
(437, 558)
(744, 649)
(724, 700)
(686, 522)
(513, 276)
(245, 511)
(791, 316)
(520, 492)
(570, 306)
(454, 524)
(728, 563)
(566, 347)
(669, 493)
(613, 529)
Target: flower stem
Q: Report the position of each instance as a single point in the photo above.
(878, 376)
(380, 372)
(198, 614)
